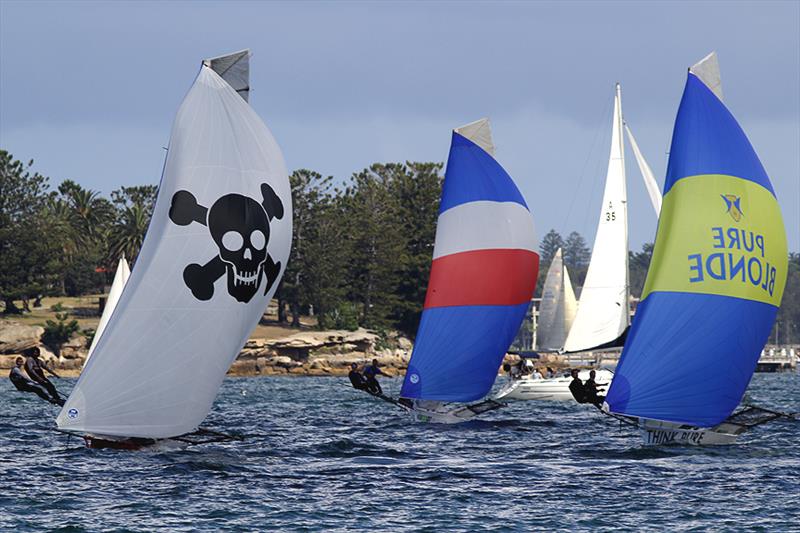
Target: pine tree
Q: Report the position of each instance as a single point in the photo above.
(417, 191)
(549, 246)
(378, 244)
(28, 266)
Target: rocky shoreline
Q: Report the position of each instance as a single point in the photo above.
(305, 353)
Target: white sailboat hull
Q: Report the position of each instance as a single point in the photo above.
(659, 433)
(555, 389)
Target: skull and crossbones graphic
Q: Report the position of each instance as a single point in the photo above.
(239, 226)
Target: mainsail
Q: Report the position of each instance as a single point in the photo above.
(120, 279)
(216, 247)
(557, 308)
(482, 277)
(716, 278)
(602, 315)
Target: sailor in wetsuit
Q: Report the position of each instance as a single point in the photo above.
(576, 387)
(356, 379)
(35, 368)
(591, 389)
(24, 384)
(371, 373)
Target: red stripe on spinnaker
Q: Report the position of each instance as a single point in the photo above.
(483, 277)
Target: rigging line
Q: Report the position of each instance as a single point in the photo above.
(622, 419)
(582, 174)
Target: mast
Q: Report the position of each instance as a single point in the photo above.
(620, 123)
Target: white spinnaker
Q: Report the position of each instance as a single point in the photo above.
(120, 279)
(707, 69)
(557, 308)
(648, 177)
(157, 368)
(603, 307)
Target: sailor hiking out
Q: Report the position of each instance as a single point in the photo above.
(357, 379)
(23, 384)
(35, 368)
(371, 374)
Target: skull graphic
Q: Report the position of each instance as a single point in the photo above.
(239, 227)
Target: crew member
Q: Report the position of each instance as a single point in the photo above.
(591, 389)
(371, 373)
(576, 387)
(356, 379)
(35, 368)
(24, 384)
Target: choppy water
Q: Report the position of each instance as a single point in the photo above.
(324, 457)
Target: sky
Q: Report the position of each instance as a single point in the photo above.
(89, 89)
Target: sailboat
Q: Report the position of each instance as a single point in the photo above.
(602, 317)
(120, 279)
(215, 250)
(557, 308)
(481, 283)
(556, 313)
(714, 285)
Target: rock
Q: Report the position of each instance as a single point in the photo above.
(75, 348)
(319, 364)
(16, 337)
(300, 345)
(404, 344)
(7, 361)
(298, 370)
(280, 360)
(255, 343)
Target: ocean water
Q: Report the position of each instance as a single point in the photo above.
(320, 456)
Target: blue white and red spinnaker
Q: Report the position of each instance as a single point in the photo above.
(481, 282)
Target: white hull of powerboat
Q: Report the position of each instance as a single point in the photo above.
(557, 389)
(659, 433)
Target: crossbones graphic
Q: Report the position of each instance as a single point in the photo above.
(239, 226)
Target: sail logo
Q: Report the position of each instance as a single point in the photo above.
(744, 261)
(72, 413)
(734, 204)
(414, 378)
(239, 226)
(720, 235)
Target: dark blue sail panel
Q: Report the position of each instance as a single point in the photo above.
(474, 175)
(459, 350)
(689, 357)
(708, 140)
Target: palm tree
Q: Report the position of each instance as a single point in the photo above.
(128, 234)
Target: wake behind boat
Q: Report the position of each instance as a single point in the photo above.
(713, 288)
(214, 253)
(481, 282)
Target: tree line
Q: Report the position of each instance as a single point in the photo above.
(361, 249)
